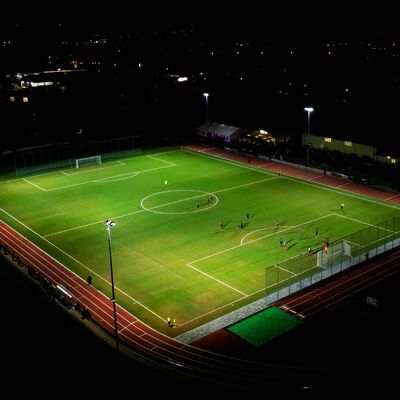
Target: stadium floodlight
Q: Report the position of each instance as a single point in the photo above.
(206, 97)
(309, 110)
(109, 224)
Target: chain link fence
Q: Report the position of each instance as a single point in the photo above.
(306, 269)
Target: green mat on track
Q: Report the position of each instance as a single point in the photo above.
(264, 326)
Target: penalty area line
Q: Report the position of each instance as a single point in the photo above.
(34, 184)
(216, 279)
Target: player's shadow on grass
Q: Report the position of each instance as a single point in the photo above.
(338, 210)
(292, 245)
(225, 225)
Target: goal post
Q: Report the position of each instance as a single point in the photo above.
(80, 162)
(335, 254)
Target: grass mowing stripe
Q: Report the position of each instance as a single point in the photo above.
(256, 240)
(152, 250)
(109, 179)
(304, 182)
(156, 207)
(361, 222)
(215, 279)
(80, 263)
(34, 184)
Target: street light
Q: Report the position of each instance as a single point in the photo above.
(109, 224)
(309, 110)
(206, 97)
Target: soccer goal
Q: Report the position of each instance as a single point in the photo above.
(334, 255)
(81, 162)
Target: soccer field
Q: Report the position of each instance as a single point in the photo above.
(171, 258)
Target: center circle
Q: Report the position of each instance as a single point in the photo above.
(201, 201)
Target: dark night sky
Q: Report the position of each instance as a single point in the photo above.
(303, 25)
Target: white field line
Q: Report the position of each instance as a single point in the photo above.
(123, 177)
(34, 184)
(155, 207)
(68, 174)
(256, 240)
(159, 159)
(189, 264)
(110, 179)
(130, 297)
(217, 280)
(362, 222)
(356, 244)
(235, 301)
(65, 173)
(119, 163)
(286, 270)
(88, 171)
(264, 229)
(83, 265)
(317, 185)
(232, 162)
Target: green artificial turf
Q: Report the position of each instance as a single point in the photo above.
(171, 258)
(264, 326)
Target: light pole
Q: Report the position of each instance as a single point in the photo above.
(109, 224)
(206, 97)
(309, 110)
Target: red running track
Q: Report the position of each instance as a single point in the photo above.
(161, 348)
(141, 338)
(337, 288)
(299, 172)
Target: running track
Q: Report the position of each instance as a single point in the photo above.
(185, 358)
(142, 339)
(300, 173)
(337, 288)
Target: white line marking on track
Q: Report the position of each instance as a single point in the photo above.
(80, 263)
(298, 180)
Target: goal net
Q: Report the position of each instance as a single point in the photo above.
(335, 254)
(81, 162)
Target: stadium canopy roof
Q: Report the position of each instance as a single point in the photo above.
(216, 130)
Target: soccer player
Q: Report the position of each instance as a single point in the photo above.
(165, 182)
(198, 205)
(316, 233)
(342, 206)
(221, 225)
(247, 215)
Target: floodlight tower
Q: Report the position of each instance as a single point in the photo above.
(206, 97)
(309, 110)
(109, 224)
